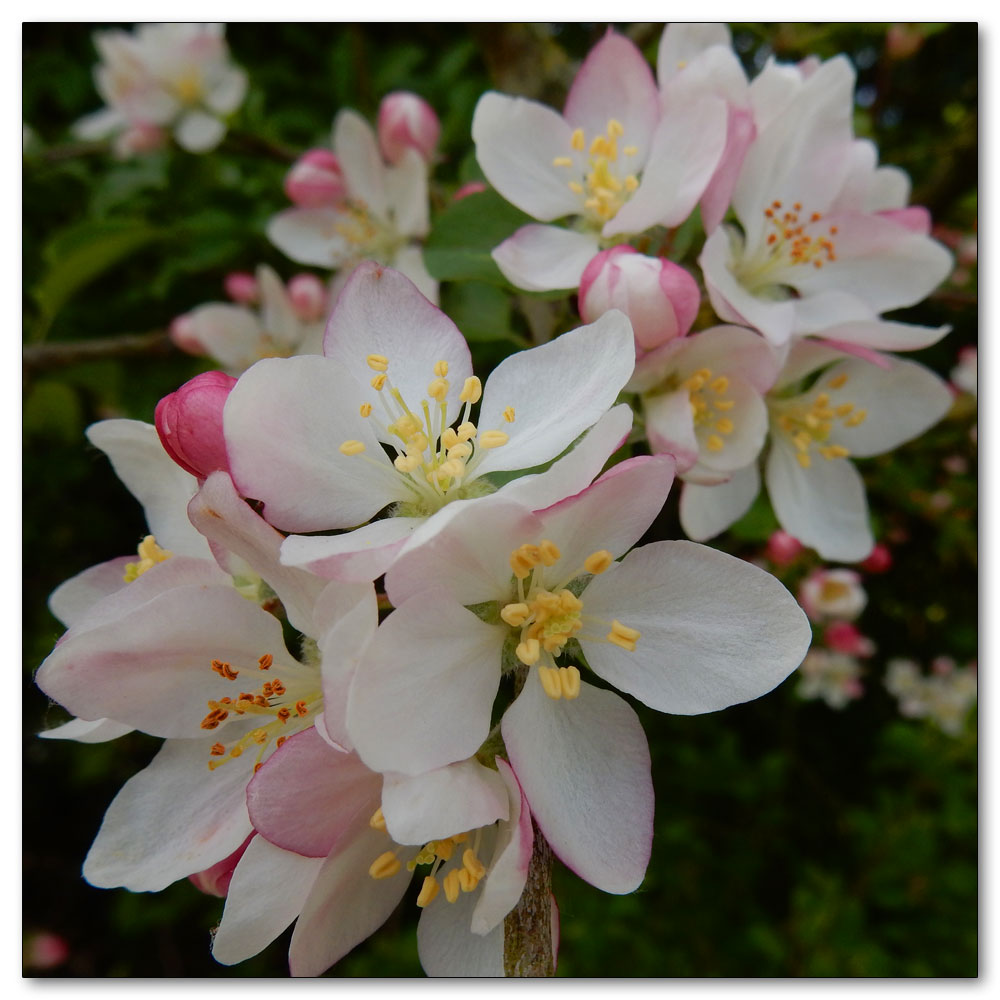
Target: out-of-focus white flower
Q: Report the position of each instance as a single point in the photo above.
(164, 77)
(832, 593)
(945, 696)
(965, 375)
(834, 677)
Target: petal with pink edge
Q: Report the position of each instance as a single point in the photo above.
(670, 426)
(584, 769)
(706, 511)
(544, 258)
(715, 630)
(423, 694)
(268, 890)
(172, 819)
(76, 596)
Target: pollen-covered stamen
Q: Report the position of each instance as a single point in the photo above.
(623, 636)
(709, 406)
(150, 553)
(796, 240)
(560, 682)
(809, 424)
(603, 183)
(385, 865)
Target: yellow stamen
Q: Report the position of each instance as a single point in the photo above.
(493, 439)
(719, 385)
(451, 885)
(623, 636)
(562, 161)
(576, 140)
(472, 390)
(467, 880)
(598, 562)
(438, 389)
(428, 891)
(569, 682)
(377, 362)
(377, 822)
(630, 150)
(804, 460)
(441, 368)
(515, 614)
(714, 442)
(549, 678)
(466, 431)
(472, 864)
(377, 382)
(508, 414)
(528, 652)
(838, 381)
(857, 418)
(385, 865)
(725, 426)
(366, 409)
(548, 552)
(352, 448)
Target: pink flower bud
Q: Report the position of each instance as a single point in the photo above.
(473, 187)
(308, 297)
(315, 179)
(832, 593)
(782, 548)
(184, 334)
(659, 297)
(878, 561)
(843, 637)
(406, 121)
(215, 881)
(189, 423)
(242, 287)
(44, 950)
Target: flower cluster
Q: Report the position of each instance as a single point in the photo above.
(390, 615)
(945, 696)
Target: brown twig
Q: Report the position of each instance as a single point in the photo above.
(39, 357)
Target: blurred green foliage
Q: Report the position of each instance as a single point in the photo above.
(791, 840)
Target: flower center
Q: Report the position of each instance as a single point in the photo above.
(188, 87)
(150, 553)
(710, 409)
(287, 705)
(546, 616)
(463, 876)
(808, 424)
(598, 175)
(436, 461)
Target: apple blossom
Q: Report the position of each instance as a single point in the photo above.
(315, 180)
(945, 699)
(832, 676)
(189, 423)
(336, 845)
(611, 161)
(683, 628)
(659, 297)
(832, 593)
(853, 409)
(820, 243)
(965, 375)
(287, 321)
(381, 213)
(308, 436)
(406, 121)
(175, 76)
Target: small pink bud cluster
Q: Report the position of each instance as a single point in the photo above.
(406, 121)
(659, 297)
(242, 287)
(315, 180)
(782, 548)
(189, 424)
(843, 637)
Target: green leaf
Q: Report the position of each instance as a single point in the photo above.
(458, 247)
(78, 255)
(480, 310)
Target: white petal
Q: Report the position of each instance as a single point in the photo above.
(406, 184)
(706, 511)
(99, 731)
(823, 506)
(312, 236)
(462, 796)
(557, 390)
(715, 630)
(154, 479)
(516, 142)
(198, 132)
(544, 258)
(75, 596)
(447, 947)
(285, 421)
(670, 426)
(883, 335)
(232, 334)
(170, 820)
(584, 768)
(364, 172)
(98, 124)
(682, 42)
(228, 91)
(409, 260)
(268, 890)
(423, 694)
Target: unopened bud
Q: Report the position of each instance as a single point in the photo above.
(406, 121)
(308, 297)
(189, 423)
(315, 179)
(242, 288)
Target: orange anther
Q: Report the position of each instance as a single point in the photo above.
(265, 661)
(301, 708)
(280, 740)
(284, 714)
(277, 687)
(217, 750)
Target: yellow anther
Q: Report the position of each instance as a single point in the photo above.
(804, 460)
(493, 439)
(844, 409)
(445, 848)
(515, 614)
(520, 566)
(377, 362)
(576, 140)
(695, 383)
(378, 381)
(576, 187)
(597, 562)
(615, 129)
(452, 888)
(714, 443)
(562, 161)
(416, 443)
(569, 603)
(352, 447)
(366, 409)
(725, 426)
(459, 838)
(823, 399)
(472, 864)
(428, 890)
(449, 438)
(441, 368)
(454, 467)
(259, 736)
(467, 880)
(150, 553)
(724, 404)
(406, 463)
(385, 865)
(508, 414)
(460, 451)
(472, 390)
(377, 822)
(569, 682)
(549, 678)
(858, 417)
(802, 440)
(438, 389)
(838, 381)
(467, 431)
(548, 552)
(528, 652)
(623, 636)
(630, 151)
(834, 451)
(631, 182)
(719, 385)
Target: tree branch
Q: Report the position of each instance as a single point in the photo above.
(39, 357)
